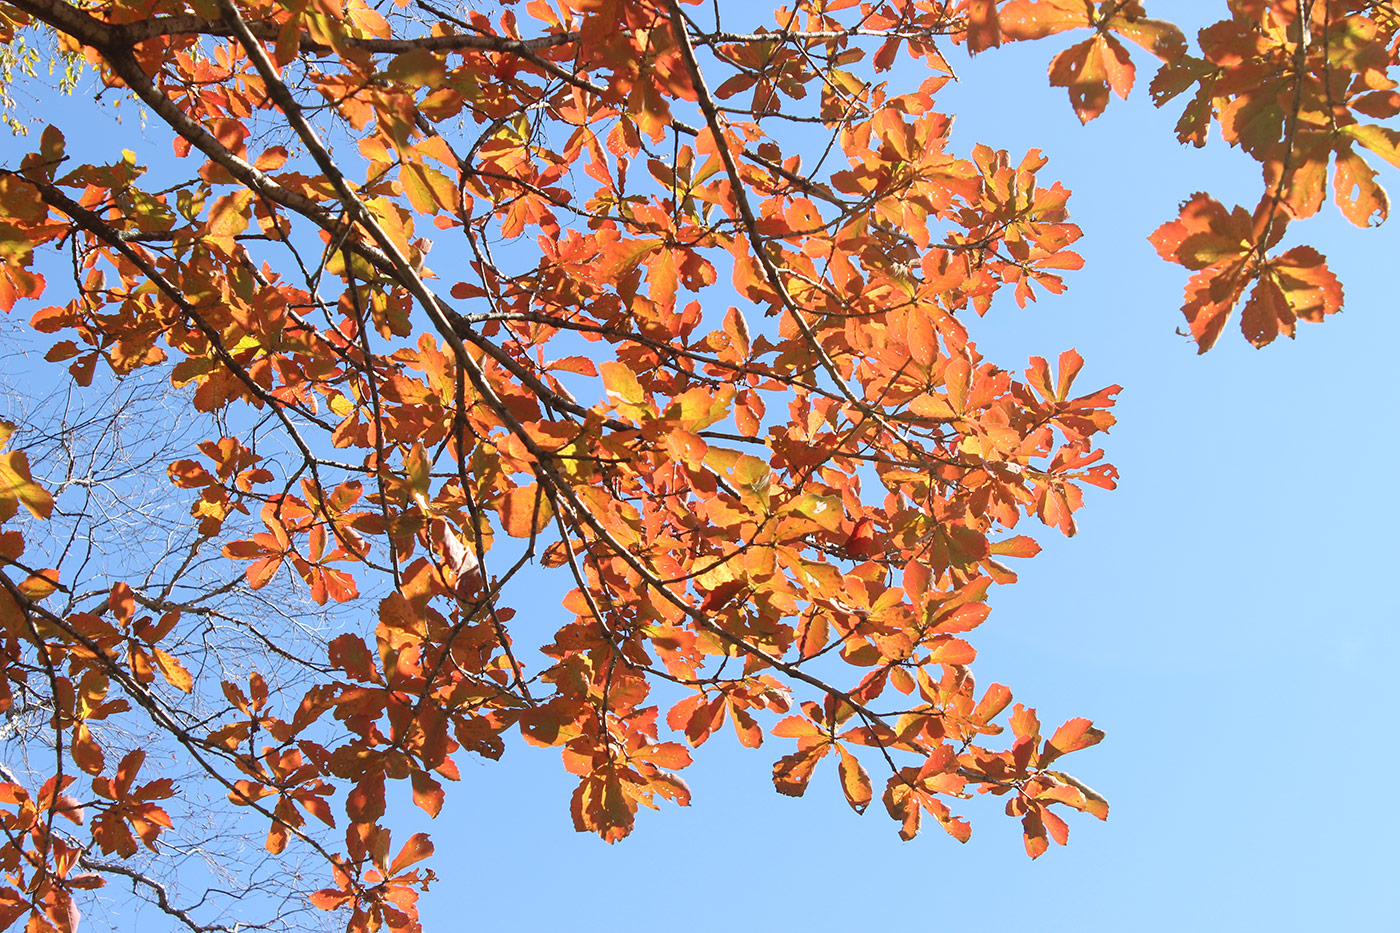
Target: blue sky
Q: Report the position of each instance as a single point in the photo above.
(1226, 615)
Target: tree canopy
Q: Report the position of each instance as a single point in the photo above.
(660, 306)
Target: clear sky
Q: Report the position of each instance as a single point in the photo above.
(1227, 615)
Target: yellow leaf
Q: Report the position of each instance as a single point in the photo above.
(173, 671)
(17, 484)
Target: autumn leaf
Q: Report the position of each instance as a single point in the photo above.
(17, 485)
(855, 783)
(1092, 68)
(1359, 197)
(173, 671)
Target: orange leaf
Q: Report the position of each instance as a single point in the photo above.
(983, 29)
(923, 340)
(39, 585)
(427, 793)
(855, 783)
(1033, 830)
(417, 848)
(16, 483)
(1071, 737)
(1358, 195)
(947, 650)
(173, 671)
(1023, 20)
(524, 511)
(1017, 546)
(792, 773)
(793, 727)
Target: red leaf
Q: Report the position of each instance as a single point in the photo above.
(861, 541)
